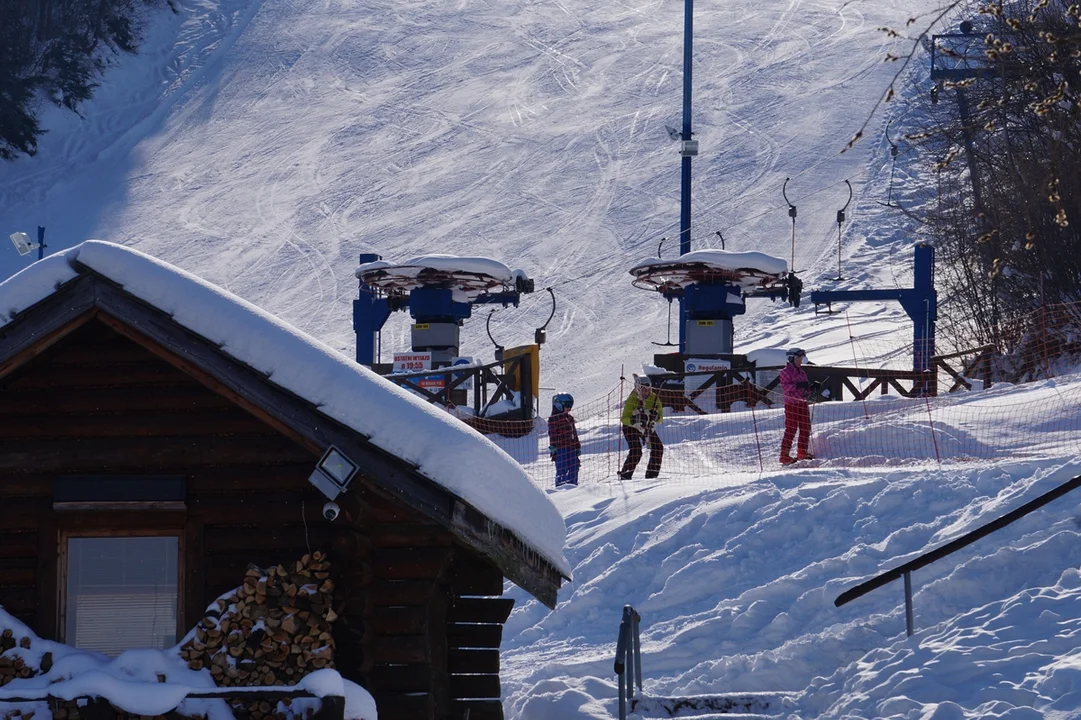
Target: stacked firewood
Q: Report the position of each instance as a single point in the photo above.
(272, 630)
(12, 665)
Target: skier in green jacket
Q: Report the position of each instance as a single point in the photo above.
(642, 412)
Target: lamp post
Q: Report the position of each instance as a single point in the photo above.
(688, 148)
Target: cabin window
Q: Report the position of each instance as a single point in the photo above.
(120, 593)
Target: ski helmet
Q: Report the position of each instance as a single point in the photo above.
(795, 353)
(562, 401)
(643, 383)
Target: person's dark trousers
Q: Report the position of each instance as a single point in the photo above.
(567, 464)
(635, 441)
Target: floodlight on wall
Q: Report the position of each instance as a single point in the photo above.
(333, 473)
(22, 242)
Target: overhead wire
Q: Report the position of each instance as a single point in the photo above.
(649, 238)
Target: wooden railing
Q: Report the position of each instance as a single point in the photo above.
(489, 386)
(978, 363)
(953, 546)
(741, 384)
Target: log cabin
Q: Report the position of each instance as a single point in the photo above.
(160, 436)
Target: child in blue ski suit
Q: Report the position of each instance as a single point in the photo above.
(564, 447)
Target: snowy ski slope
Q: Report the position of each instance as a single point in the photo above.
(263, 144)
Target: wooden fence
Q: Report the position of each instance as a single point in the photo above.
(741, 384)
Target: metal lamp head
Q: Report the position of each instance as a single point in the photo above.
(22, 242)
(333, 473)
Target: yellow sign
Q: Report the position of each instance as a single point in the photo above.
(705, 323)
(420, 326)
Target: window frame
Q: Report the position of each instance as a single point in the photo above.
(143, 529)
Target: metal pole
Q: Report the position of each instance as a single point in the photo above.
(685, 184)
(685, 174)
(637, 652)
(908, 603)
(621, 660)
(41, 242)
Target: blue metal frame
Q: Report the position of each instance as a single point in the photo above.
(920, 302)
(371, 311)
(685, 169)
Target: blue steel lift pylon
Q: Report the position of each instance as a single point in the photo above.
(920, 302)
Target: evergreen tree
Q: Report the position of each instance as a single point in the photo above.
(51, 50)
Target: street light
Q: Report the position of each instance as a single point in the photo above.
(24, 244)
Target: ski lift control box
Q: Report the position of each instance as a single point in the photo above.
(688, 148)
(439, 338)
(708, 336)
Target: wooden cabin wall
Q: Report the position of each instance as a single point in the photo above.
(424, 638)
(421, 616)
(96, 403)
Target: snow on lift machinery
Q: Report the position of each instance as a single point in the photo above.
(712, 286)
(439, 291)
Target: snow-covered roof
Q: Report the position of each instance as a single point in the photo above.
(683, 268)
(449, 263)
(443, 449)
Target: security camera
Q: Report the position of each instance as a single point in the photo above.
(331, 511)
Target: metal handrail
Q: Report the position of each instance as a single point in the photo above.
(628, 664)
(949, 548)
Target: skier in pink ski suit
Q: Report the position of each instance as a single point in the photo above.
(797, 415)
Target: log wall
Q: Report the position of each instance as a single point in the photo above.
(419, 616)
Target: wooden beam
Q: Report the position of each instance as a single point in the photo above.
(403, 592)
(410, 563)
(401, 620)
(400, 679)
(93, 400)
(137, 453)
(476, 709)
(521, 564)
(409, 535)
(472, 635)
(403, 706)
(42, 325)
(177, 423)
(481, 610)
(48, 564)
(475, 686)
(400, 649)
(194, 601)
(473, 660)
(475, 575)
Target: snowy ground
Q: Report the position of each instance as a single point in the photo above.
(735, 578)
(263, 145)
